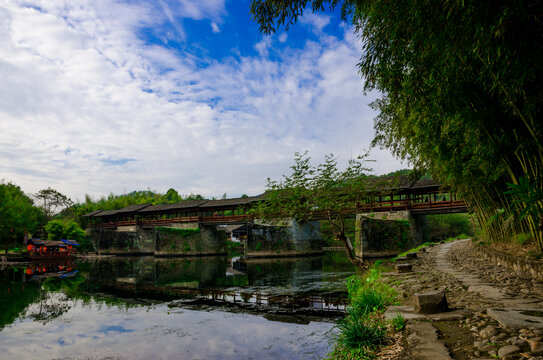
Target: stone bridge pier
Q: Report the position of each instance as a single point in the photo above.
(283, 238)
(389, 233)
(167, 240)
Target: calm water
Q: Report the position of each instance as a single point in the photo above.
(176, 308)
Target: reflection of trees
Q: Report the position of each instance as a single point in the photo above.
(78, 288)
(49, 306)
(15, 296)
(45, 300)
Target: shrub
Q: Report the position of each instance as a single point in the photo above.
(370, 292)
(62, 229)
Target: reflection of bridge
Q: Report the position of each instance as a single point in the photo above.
(420, 197)
(252, 301)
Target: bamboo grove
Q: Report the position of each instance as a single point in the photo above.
(461, 95)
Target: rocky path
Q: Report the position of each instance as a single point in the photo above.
(494, 312)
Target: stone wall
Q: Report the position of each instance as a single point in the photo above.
(121, 242)
(523, 267)
(205, 240)
(162, 241)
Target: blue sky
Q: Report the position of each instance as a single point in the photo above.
(115, 96)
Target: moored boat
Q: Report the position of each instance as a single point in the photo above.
(49, 249)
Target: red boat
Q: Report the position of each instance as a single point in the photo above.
(48, 249)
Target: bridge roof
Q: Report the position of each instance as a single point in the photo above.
(425, 183)
(232, 202)
(181, 205)
(402, 183)
(106, 213)
(132, 208)
(92, 213)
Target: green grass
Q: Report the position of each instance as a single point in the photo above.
(413, 250)
(522, 239)
(461, 236)
(398, 322)
(363, 328)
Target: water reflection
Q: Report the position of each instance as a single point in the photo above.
(170, 308)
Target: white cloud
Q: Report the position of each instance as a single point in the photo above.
(262, 47)
(215, 28)
(87, 107)
(201, 9)
(283, 37)
(318, 22)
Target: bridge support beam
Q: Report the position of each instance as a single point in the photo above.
(420, 230)
(286, 238)
(389, 233)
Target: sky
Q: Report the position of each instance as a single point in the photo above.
(101, 97)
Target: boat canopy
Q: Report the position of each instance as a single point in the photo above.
(69, 242)
(36, 242)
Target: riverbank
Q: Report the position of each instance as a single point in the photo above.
(496, 312)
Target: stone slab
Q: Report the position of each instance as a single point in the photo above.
(424, 343)
(490, 292)
(405, 311)
(408, 314)
(517, 318)
(403, 268)
(431, 303)
(449, 315)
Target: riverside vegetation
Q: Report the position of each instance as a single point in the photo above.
(364, 329)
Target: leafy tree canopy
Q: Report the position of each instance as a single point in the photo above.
(17, 215)
(313, 192)
(51, 201)
(68, 229)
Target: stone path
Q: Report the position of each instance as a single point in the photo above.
(497, 314)
(424, 343)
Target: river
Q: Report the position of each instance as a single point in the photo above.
(173, 308)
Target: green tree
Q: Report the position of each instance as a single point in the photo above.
(51, 201)
(321, 192)
(461, 93)
(68, 229)
(172, 196)
(194, 197)
(17, 215)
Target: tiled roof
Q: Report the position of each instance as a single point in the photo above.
(181, 205)
(132, 208)
(232, 202)
(106, 213)
(92, 213)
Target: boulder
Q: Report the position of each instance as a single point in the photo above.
(431, 303)
(403, 268)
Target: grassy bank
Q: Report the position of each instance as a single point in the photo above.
(363, 329)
